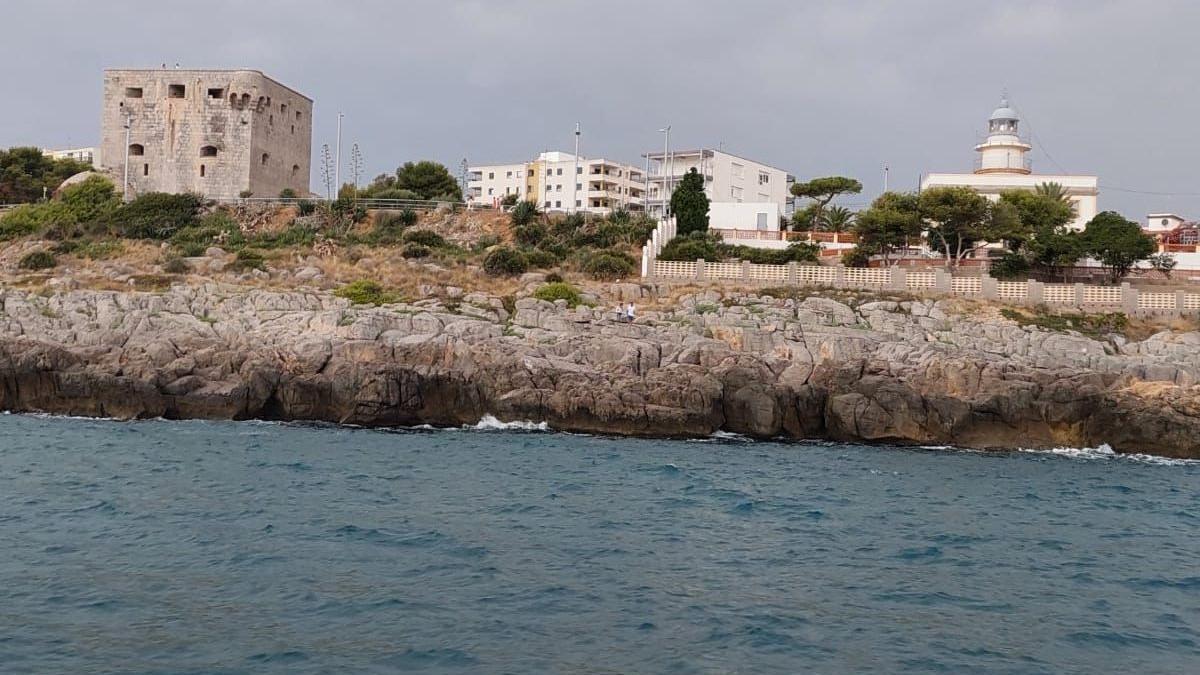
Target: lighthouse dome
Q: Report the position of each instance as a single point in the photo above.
(1004, 112)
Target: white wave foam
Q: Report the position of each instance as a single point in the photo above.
(490, 423)
(1104, 452)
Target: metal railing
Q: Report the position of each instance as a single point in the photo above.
(376, 204)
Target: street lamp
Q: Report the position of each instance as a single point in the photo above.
(666, 179)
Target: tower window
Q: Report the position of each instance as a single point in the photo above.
(216, 92)
(208, 151)
(137, 149)
(202, 171)
(233, 100)
(176, 91)
(295, 170)
(133, 92)
(265, 158)
(145, 169)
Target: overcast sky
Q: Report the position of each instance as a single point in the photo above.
(817, 88)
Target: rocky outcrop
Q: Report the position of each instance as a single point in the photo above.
(920, 371)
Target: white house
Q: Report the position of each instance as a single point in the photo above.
(560, 181)
(1003, 164)
(744, 194)
(1163, 222)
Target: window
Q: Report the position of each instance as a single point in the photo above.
(137, 149)
(176, 91)
(133, 92)
(491, 191)
(577, 203)
(508, 174)
(295, 170)
(558, 205)
(578, 170)
(491, 175)
(245, 100)
(265, 158)
(507, 190)
(763, 178)
(297, 115)
(547, 205)
(558, 188)
(145, 169)
(216, 92)
(579, 186)
(208, 151)
(736, 193)
(530, 173)
(293, 128)
(549, 172)
(202, 171)
(233, 100)
(560, 172)
(282, 108)
(761, 221)
(736, 169)
(271, 120)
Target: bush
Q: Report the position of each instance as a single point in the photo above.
(245, 194)
(530, 235)
(215, 229)
(856, 257)
(97, 250)
(37, 260)
(553, 277)
(505, 262)
(93, 199)
(509, 200)
(541, 259)
(306, 207)
(396, 193)
(524, 213)
(1009, 266)
(558, 291)
(692, 247)
(176, 265)
(608, 265)
(157, 215)
(416, 251)
(425, 238)
(287, 193)
(248, 260)
(366, 292)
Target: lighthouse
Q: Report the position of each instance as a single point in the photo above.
(1004, 151)
(1002, 164)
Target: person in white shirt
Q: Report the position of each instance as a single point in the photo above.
(629, 313)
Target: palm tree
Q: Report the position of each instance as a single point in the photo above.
(1056, 192)
(836, 219)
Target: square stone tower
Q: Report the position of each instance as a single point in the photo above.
(217, 133)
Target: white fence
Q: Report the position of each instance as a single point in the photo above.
(1122, 298)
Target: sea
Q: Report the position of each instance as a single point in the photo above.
(243, 547)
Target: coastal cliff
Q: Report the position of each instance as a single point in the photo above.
(852, 368)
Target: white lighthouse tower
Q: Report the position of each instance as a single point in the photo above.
(1004, 151)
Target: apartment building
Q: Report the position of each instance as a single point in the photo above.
(745, 194)
(558, 181)
(84, 155)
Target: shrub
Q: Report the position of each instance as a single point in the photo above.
(541, 259)
(248, 260)
(416, 251)
(425, 238)
(293, 235)
(505, 262)
(553, 277)
(31, 218)
(306, 207)
(530, 234)
(558, 291)
(37, 260)
(691, 247)
(366, 292)
(524, 213)
(509, 200)
(92, 199)
(245, 194)
(65, 247)
(396, 193)
(215, 229)
(98, 250)
(287, 193)
(608, 265)
(175, 265)
(856, 257)
(157, 215)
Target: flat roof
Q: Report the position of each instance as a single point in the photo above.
(251, 71)
(652, 155)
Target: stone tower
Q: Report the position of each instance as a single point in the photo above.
(217, 133)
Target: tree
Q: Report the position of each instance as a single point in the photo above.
(1042, 237)
(1055, 192)
(689, 204)
(1117, 243)
(958, 222)
(26, 174)
(823, 191)
(428, 179)
(836, 219)
(1163, 262)
(891, 222)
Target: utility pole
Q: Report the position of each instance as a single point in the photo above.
(575, 183)
(128, 127)
(885, 177)
(666, 179)
(337, 164)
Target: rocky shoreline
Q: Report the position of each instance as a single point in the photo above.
(908, 371)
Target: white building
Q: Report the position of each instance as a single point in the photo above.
(1003, 164)
(758, 194)
(85, 155)
(558, 181)
(1163, 222)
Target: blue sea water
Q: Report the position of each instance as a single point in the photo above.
(198, 547)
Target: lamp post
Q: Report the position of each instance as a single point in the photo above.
(575, 190)
(666, 132)
(128, 127)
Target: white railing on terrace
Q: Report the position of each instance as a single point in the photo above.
(377, 204)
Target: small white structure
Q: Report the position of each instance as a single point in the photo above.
(760, 216)
(728, 179)
(85, 155)
(1003, 164)
(1163, 222)
(558, 181)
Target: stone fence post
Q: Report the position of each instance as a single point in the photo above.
(943, 282)
(1033, 292)
(1180, 301)
(1078, 295)
(898, 279)
(839, 276)
(793, 278)
(700, 269)
(1129, 299)
(989, 288)
(745, 270)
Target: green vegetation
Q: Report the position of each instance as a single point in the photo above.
(689, 204)
(37, 260)
(821, 191)
(420, 180)
(366, 292)
(26, 174)
(609, 265)
(424, 238)
(524, 213)
(559, 291)
(712, 248)
(505, 262)
(413, 251)
(247, 260)
(176, 265)
(287, 193)
(1092, 325)
(1163, 263)
(157, 215)
(1117, 243)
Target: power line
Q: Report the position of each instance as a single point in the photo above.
(1150, 192)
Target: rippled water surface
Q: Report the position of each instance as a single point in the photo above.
(192, 547)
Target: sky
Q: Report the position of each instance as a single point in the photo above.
(1105, 87)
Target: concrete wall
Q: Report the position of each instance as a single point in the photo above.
(242, 114)
(744, 216)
